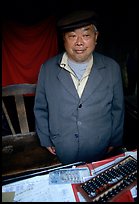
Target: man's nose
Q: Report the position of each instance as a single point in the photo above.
(79, 40)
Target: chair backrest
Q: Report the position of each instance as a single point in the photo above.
(18, 91)
(21, 149)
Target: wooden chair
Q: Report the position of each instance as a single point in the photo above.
(21, 149)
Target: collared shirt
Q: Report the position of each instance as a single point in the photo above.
(79, 84)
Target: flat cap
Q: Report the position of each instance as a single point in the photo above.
(77, 19)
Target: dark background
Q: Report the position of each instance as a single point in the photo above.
(117, 18)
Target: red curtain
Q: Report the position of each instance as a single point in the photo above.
(25, 48)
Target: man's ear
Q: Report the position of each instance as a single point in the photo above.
(97, 33)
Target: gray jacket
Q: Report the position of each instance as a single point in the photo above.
(81, 129)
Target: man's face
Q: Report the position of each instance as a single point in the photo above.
(80, 43)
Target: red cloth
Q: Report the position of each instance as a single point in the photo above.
(25, 48)
(124, 197)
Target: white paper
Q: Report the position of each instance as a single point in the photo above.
(133, 154)
(134, 191)
(81, 198)
(38, 189)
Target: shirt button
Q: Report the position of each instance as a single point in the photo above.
(76, 135)
(80, 105)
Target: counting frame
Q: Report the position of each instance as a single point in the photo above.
(109, 184)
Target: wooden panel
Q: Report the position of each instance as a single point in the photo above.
(18, 89)
(8, 118)
(22, 153)
(21, 112)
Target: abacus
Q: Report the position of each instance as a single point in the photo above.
(110, 183)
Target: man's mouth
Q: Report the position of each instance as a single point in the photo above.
(79, 51)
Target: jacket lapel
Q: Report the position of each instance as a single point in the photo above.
(66, 80)
(94, 80)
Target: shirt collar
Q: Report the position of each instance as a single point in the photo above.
(64, 64)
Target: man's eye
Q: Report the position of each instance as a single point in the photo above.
(72, 36)
(86, 35)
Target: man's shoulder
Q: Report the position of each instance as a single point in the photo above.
(104, 58)
(53, 60)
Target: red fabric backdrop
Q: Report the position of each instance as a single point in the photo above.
(25, 48)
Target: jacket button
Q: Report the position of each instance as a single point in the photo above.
(76, 135)
(79, 122)
(80, 105)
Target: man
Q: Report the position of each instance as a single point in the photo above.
(79, 106)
